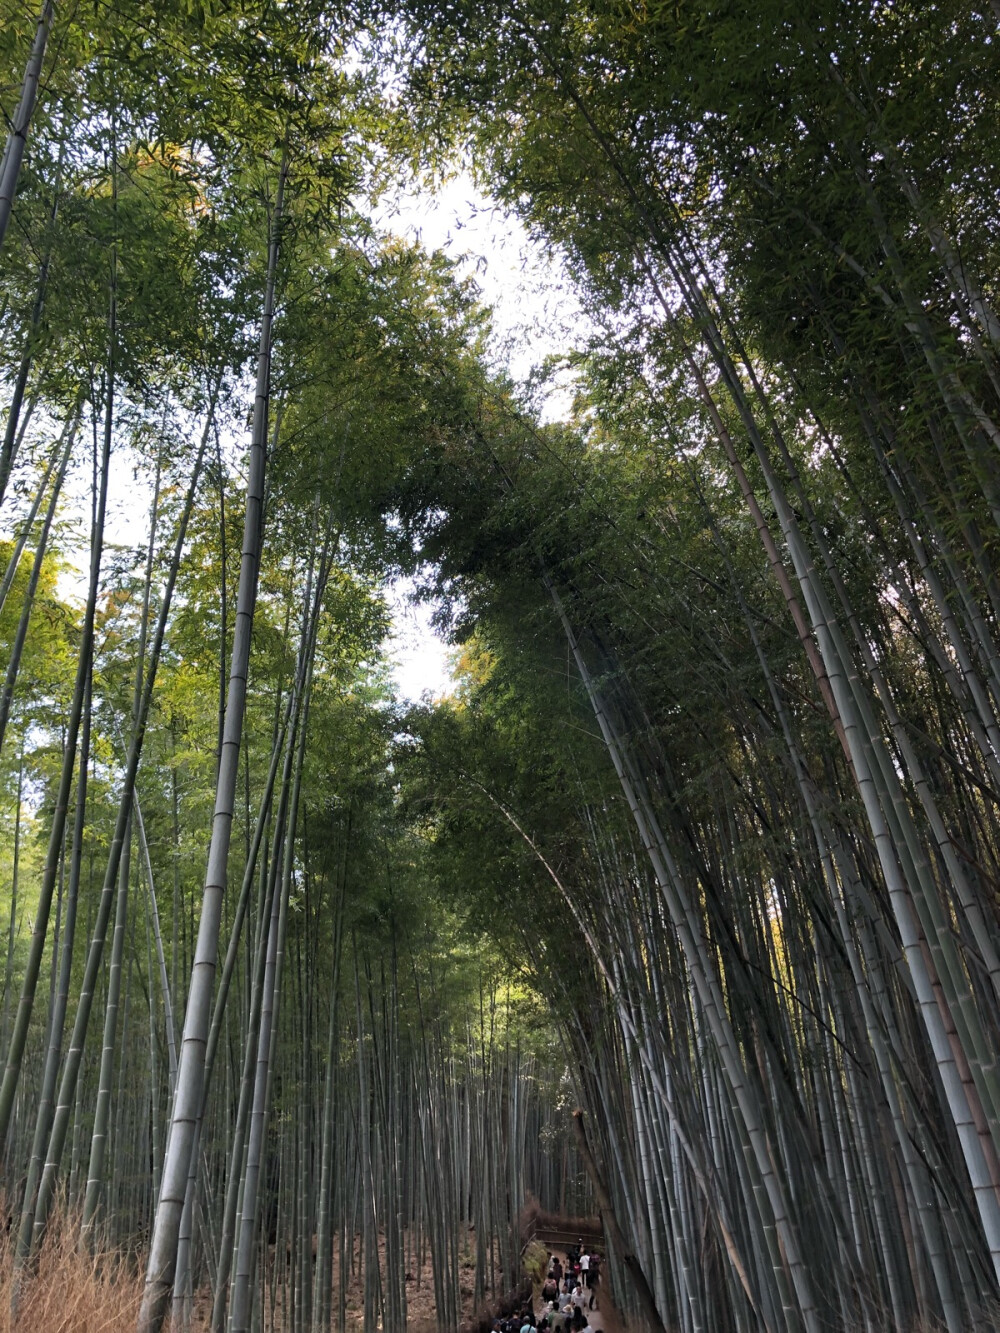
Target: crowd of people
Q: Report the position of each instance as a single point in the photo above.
(569, 1293)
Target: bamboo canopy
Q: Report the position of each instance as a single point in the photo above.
(323, 1006)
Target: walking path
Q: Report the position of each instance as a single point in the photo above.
(596, 1322)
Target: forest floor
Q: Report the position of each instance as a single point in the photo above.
(421, 1310)
(75, 1292)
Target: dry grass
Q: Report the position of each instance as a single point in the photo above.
(70, 1290)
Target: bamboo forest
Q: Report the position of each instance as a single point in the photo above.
(640, 971)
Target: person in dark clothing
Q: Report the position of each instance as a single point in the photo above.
(593, 1278)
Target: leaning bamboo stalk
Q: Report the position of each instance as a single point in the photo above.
(236, 1176)
(21, 633)
(99, 1137)
(17, 138)
(669, 882)
(268, 1031)
(12, 1068)
(187, 1098)
(57, 1016)
(161, 962)
(29, 519)
(215, 1033)
(254, 1110)
(68, 1087)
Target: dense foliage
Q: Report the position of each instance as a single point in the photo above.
(707, 840)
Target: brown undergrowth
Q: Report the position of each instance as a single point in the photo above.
(421, 1311)
(70, 1290)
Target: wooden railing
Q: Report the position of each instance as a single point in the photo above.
(556, 1230)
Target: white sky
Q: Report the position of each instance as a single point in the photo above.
(535, 314)
(535, 311)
